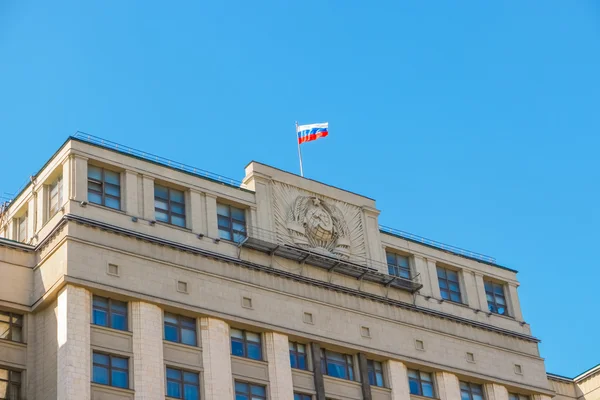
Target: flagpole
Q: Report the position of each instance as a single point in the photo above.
(299, 151)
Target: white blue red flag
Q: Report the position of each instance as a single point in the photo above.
(307, 133)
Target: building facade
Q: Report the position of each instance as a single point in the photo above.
(126, 276)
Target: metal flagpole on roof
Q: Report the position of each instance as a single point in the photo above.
(299, 151)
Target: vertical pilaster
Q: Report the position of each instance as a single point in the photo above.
(73, 338)
(212, 228)
(148, 198)
(423, 272)
(398, 380)
(67, 178)
(435, 286)
(196, 212)
(471, 295)
(448, 386)
(483, 305)
(31, 217)
(373, 238)
(315, 350)
(78, 178)
(494, 391)
(281, 386)
(363, 370)
(216, 358)
(42, 206)
(148, 364)
(131, 193)
(515, 305)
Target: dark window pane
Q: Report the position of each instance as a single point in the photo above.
(171, 333)
(191, 377)
(254, 351)
(119, 321)
(223, 234)
(173, 374)
(379, 379)
(112, 203)
(237, 213)
(161, 192)
(188, 337)
(161, 216)
(455, 297)
(301, 362)
(113, 190)
(100, 375)
(190, 392)
(223, 210)
(179, 221)
(101, 359)
(427, 389)
(119, 379)
(177, 196)
(258, 390)
(118, 362)
(94, 198)
(100, 317)
(237, 348)
(173, 389)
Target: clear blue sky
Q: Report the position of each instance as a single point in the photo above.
(476, 124)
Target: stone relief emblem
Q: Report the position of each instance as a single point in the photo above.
(313, 222)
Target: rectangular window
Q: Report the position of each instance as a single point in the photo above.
(10, 384)
(495, 297)
(337, 365)
(298, 355)
(516, 396)
(110, 370)
(249, 391)
(104, 187)
(246, 344)
(470, 391)
(22, 229)
(55, 199)
(183, 384)
(375, 372)
(169, 205)
(180, 329)
(232, 222)
(11, 326)
(110, 313)
(449, 285)
(420, 383)
(302, 396)
(398, 265)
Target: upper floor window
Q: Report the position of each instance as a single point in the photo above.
(337, 365)
(249, 391)
(449, 285)
(302, 396)
(375, 372)
(516, 396)
(420, 383)
(55, 199)
(183, 384)
(110, 370)
(169, 205)
(495, 297)
(11, 326)
(180, 329)
(110, 313)
(298, 355)
(246, 344)
(10, 384)
(470, 391)
(22, 229)
(398, 265)
(232, 222)
(104, 187)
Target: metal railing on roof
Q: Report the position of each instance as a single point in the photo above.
(157, 159)
(440, 245)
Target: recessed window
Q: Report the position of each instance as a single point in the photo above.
(420, 383)
(104, 187)
(169, 205)
(10, 384)
(232, 222)
(337, 365)
(246, 344)
(398, 265)
(495, 297)
(302, 396)
(183, 384)
(110, 313)
(470, 391)
(22, 228)
(180, 329)
(298, 356)
(449, 285)
(249, 391)
(55, 199)
(11, 326)
(516, 396)
(110, 370)
(375, 372)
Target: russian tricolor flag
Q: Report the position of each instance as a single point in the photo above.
(307, 133)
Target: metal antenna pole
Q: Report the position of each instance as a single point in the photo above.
(299, 151)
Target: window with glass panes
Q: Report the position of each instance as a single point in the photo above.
(110, 313)
(375, 372)
(470, 391)
(232, 222)
(55, 197)
(169, 205)
(11, 326)
(337, 365)
(302, 396)
(10, 384)
(495, 297)
(183, 384)
(22, 228)
(110, 370)
(449, 285)
(298, 355)
(104, 187)
(246, 344)
(398, 265)
(249, 391)
(180, 329)
(515, 396)
(420, 383)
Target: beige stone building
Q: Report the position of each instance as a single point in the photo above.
(128, 276)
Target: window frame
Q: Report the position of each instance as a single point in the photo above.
(109, 312)
(181, 383)
(169, 211)
(348, 364)
(447, 282)
(110, 368)
(231, 221)
(518, 396)
(179, 326)
(493, 308)
(293, 349)
(12, 324)
(22, 221)
(420, 381)
(244, 341)
(58, 185)
(249, 395)
(372, 371)
(469, 390)
(396, 268)
(12, 383)
(103, 184)
(302, 396)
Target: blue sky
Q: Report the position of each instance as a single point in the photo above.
(473, 123)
